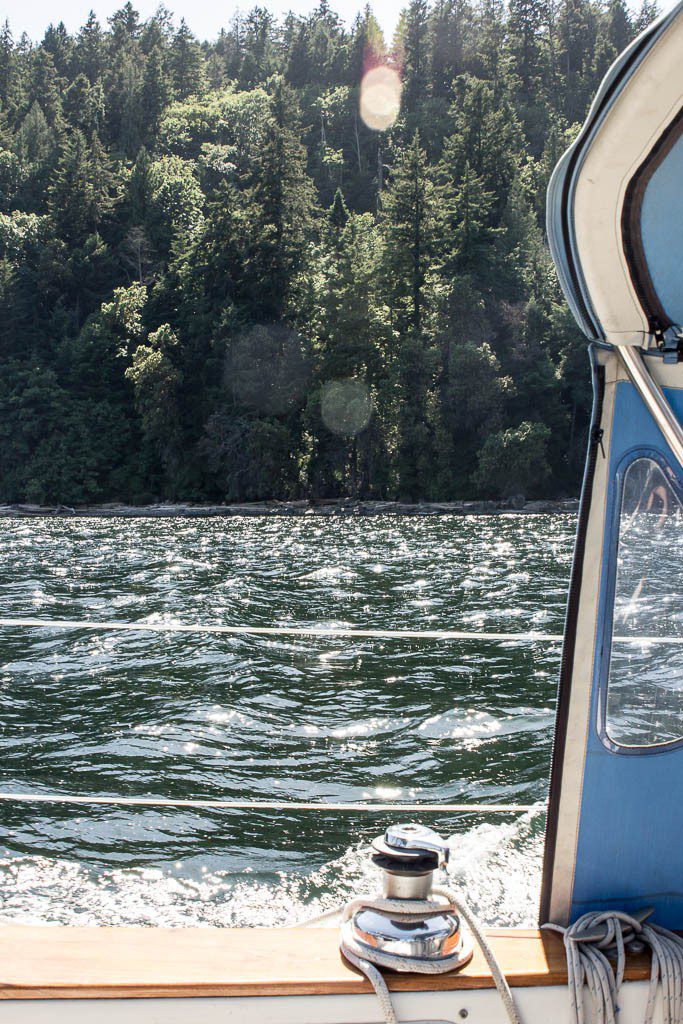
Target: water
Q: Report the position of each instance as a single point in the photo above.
(211, 716)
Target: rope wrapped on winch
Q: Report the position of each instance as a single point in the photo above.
(368, 961)
(596, 946)
(414, 926)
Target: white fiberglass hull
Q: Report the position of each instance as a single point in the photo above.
(547, 1005)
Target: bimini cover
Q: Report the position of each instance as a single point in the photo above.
(615, 201)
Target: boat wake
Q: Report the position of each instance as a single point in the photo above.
(497, 866)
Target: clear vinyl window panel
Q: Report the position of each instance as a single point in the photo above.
(644, 705)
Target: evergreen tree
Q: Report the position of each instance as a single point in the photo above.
(577, 43)
(258, 61)
(84, 105)
(44, 88)
(59, 44)
(216, 281)
(157, 90)
(81, 191)
(409, 227)
(7, 68)
(187, 63)
(35, 141)
(90, 50)
(528, 54)
(415, 59)
(285, 199)
(468, 236)
(448, 25)
(125, 26)
(648, 11)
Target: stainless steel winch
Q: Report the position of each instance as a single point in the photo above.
(408, 856)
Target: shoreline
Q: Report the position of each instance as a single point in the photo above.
(323, 507)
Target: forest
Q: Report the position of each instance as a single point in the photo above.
(226, 276)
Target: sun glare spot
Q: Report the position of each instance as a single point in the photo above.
(346, 406)
(380, 97)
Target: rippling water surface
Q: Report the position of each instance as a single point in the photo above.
(214, 716)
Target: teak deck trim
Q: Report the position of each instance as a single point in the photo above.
(40, 962)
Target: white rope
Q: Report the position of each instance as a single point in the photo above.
(343, 632)
(603, 936)
(368, 960)
(263, 805)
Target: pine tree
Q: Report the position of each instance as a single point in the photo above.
(44, 87)
(467, 230)
(284, 196)
(366, 48)
(339, 213)
(619, 25)
(351, 331)
(485, 135)
(156, 93)
(258, 48)
(84, 105)
(81, 191)
(489, 59)
(89, 53)
(409, 227)
(647, 12)
(156, 382)
(35, 141)
(158, 31)
(230, 48)
(8, 83)
(448, 23)
(577, 31)
(187, 64)
(529, 64)
(124, 113)
(59, 44)
(415, 56)
(125, 26)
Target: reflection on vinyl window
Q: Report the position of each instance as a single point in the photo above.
(645, 690)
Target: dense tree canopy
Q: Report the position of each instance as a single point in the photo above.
(217, 281)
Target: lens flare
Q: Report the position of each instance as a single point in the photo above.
(268, 368)
(346, 406)
(380, 97)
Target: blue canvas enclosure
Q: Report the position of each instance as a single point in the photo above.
(629, 849)
(615, 223)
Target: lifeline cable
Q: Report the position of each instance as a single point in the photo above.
(263, 805)
(343, 632)
(323, 632)
(599, 936)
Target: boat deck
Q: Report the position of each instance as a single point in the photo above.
(39, 962)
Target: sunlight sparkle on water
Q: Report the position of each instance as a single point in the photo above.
(321, 719)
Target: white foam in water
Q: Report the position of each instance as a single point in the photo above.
(497, 867)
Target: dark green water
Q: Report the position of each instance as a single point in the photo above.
(192, 716)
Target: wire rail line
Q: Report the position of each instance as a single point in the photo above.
(264, 805)
(325, 632)
(343, 632)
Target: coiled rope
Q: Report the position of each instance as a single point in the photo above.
(369, 960)
(600, 937)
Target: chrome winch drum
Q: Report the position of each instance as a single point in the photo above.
(408, 856)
